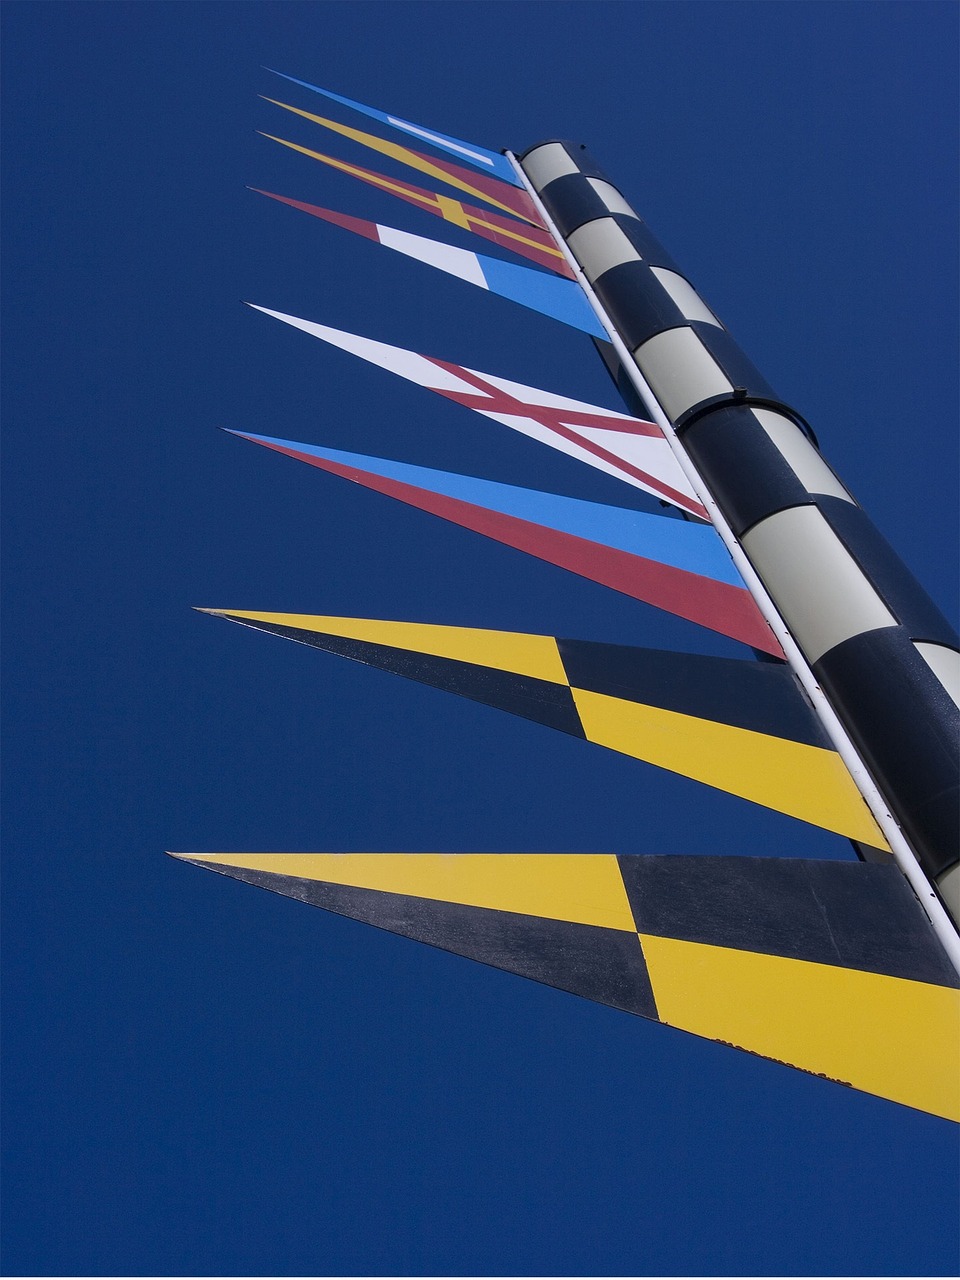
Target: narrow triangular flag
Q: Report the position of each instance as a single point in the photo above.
(628, 448)
(673, 564)
(491, 190)
(521, 238)
(831, 967)
(484, 159)
(740, 726)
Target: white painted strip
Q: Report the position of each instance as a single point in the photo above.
(446, 143)
(685, 296)
(548, 163)
(819, 588)
(659, 462)
(941, 923)
(600, 245)
(649, 453)
(681, 370)
(446, 257)
(611, 197)
(801, 455)
(406, 364)
(534, 395)
(944, 663)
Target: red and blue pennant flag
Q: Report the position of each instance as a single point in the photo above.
(673, 564)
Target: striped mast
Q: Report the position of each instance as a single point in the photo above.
(876, 657)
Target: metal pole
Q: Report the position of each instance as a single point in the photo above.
(874, 655)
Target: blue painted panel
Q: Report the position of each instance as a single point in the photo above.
(497, 165)
(693, 547)
(562, 299)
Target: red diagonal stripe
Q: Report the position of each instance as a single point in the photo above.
(718, 605)
(558, 420)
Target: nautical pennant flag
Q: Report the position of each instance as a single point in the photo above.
(528, 241)
(490, 190)
(629, 448)
(562, 300)
(829, 966)
(488, 161)
(740, 726)
(673, 564)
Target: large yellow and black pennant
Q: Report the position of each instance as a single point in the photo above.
(741, 726)
(831, 967)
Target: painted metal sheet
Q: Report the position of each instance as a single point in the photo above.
(628, 448)
(817, 585)
(600, 245)
(520, 238)
(491, 190)
(672, 564)
(486, 160)
(561, 300)
(780, 957)
(717, 720)
(681, 371)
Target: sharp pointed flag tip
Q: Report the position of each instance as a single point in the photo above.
(501, 190)
(492, 163)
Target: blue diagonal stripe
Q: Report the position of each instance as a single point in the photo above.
(496, 165)
(562, 299)
(692, 547)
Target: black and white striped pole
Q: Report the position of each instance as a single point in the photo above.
(880, 663)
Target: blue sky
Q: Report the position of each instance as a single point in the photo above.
(201, 1078)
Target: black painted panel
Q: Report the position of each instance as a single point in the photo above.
(645, 242)
(539, 700)
(746, 472)
(739, 369)
(637, 303)
(907, 729)
(605, 965)
(752, 695)
(853, 914)
(894, 582)
(571, 201)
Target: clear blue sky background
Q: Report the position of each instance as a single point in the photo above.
(203, 1078)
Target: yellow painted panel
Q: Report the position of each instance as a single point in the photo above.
(806, 782)
(449, 208)
(524, 655)
(403, 154)
(584, 888)
(452, 210)
(892, 1037)
(365, 175)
